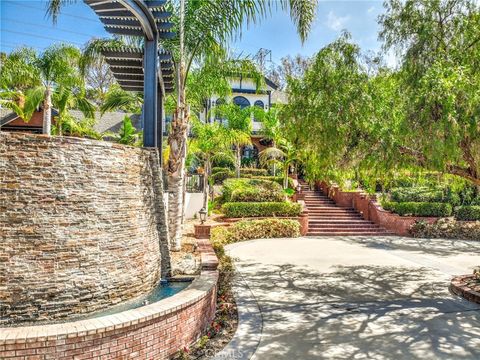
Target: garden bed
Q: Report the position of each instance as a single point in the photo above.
(466, 286)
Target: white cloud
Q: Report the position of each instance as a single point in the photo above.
(335, 22)
(371, 9)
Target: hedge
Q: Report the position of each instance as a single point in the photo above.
(277, 179)
(468, 213)
(417, 194)
(231, 185)
(253, 172)
(258, 194)
(220, 176)
(433, 209)
(260, 209)
(255, 229)
(217, 169)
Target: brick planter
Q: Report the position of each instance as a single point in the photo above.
(155, 331)
(202, 231)
(371, 210)
(459, 287)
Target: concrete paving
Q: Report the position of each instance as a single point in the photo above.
(357, 298)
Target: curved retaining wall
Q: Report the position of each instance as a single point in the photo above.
(155, 331)
(82, 225)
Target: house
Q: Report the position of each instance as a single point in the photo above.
(10, 121)
(108, 122)
(245, 93)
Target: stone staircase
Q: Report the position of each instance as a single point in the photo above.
(326, 218)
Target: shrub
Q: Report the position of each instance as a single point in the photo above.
(277, 179)
(220, 176)
(419, 208)
(446, 229)
(417, 194)
(260, 209)
(231, 185)
(255, 229)
(258, 194)
(468, 213)
(253, 172)
(217, 169)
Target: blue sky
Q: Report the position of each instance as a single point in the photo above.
(23, 22)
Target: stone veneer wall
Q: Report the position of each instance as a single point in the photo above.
(82, 225)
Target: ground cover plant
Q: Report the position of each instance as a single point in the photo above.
(255, 229)
(447, 228)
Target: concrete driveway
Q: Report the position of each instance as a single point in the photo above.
(360, 297)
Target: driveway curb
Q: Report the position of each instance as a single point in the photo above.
(250, 324)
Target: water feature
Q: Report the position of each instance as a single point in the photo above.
(163, 290)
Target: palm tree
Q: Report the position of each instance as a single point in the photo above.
(55, 73)
(65, 98)
(283, 153)
(208, 143)
(205, 28)
(58, 65)
(238, 126)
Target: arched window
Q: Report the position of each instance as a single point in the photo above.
(259, 103)
(241, 101)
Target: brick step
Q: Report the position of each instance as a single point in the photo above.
(347, 233)
(343, 227)
(331, 214)
(311, 199)
(340, 221)
(320, 205)
(330, 209)
(334, 218)
(321, 215)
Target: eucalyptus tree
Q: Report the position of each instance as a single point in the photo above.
(439, 45)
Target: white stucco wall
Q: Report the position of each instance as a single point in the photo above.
(193, 204)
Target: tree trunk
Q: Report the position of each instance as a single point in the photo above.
(177, 141)
(285, 179)
(238, 160)
(205, 185)
(47, 111)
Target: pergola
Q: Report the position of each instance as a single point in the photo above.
(148, 69)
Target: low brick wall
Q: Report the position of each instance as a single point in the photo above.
(155, 331)
(82, 225)
(460, 287)
(371, 210)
